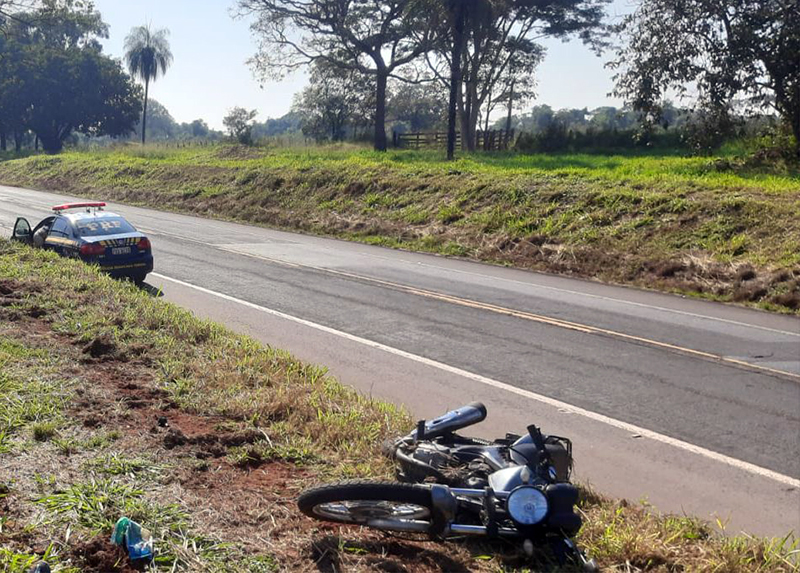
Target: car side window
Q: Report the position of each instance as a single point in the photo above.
(22, 228)
(60, 228)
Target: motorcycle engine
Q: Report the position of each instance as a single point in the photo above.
(427, 454)
(474, 474)
(434, 455)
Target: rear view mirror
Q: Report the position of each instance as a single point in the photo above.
(22, 231)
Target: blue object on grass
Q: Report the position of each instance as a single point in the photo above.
(136, 540)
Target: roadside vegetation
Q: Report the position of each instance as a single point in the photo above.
(113, 402)
(716, 227)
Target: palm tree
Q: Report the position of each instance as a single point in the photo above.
(148, 56)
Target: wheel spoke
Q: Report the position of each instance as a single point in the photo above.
(364, 511)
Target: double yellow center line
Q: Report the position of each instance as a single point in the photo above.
(533, 317)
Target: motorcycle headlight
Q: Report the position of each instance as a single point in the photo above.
(527, 505)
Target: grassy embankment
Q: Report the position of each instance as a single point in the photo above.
(698, 226)
(113, 402)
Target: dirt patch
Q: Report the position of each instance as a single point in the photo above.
(8, 287)
(788, 299)
(99, 555)
(101, 348)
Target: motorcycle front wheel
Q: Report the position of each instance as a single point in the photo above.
(381, 505)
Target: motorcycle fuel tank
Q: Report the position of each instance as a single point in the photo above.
(507, 479)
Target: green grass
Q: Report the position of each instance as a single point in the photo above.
(19, 562)
(622, 218)
(33, 389)
(293, 416)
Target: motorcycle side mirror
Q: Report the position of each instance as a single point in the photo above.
(420, 430)
(536, 435)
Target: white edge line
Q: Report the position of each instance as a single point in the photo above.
(568, 408)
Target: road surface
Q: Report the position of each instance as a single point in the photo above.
(694, 406)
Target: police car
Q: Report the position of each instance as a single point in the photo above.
(88, 232)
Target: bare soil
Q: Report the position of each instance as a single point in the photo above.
(252, 507)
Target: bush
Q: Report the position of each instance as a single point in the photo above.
(556, 138)
(239, 122)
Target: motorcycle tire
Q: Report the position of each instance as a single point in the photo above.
(388, 506)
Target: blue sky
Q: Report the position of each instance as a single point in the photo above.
(210, 75)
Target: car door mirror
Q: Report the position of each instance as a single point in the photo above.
(22, 231)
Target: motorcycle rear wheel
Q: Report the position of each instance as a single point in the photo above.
(387, 506)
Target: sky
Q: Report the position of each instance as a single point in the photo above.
(210, 75)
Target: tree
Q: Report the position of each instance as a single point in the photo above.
(56, 80)
(148, 56)
(286, 124)
(723, 48)
(540, 118)
(239, 123)
(160, 123)
(46, 24)
(516, 86)
(375, 38)
(419, 106)
(12, 12)
(495, 34)
(80, 90)
(15, 85)
(199, 128)
(334, 100)
(456, 26)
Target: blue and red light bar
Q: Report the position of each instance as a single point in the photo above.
(66, 206)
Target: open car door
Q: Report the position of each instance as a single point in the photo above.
(22, 231)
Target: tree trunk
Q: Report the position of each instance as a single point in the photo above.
(467, 141)
(36, 144)
(3, 143)
(795, 121)
(51, 143)
(463, 119)
(510, 110)
(457, 14)
(144, 113)
(474, 111)
(380, 110)
(17, 141)
(488, 111)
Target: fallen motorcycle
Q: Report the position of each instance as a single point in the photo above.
(451, 486)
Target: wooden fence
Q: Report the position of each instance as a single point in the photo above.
(494, 140)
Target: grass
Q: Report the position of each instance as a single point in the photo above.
(247, 427)
(680, 224)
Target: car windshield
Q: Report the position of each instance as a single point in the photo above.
(104, 226)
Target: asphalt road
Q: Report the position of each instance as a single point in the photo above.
(692, 405)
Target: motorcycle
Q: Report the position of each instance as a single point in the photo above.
(451, 486)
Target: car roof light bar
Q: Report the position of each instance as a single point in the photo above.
(64, 207)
